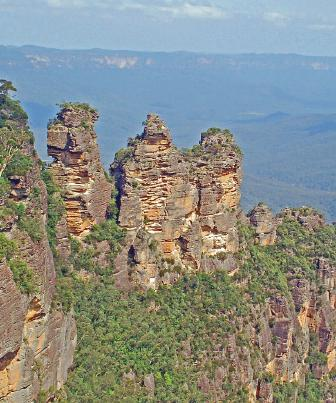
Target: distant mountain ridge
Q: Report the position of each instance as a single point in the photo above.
(281, 107)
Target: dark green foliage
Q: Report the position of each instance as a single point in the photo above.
(14, 136)
(293, 256)
(312, 392)
(5, 87)
(83, 259)
(23, 276)
(32, 227)
(56, 207)
(215, 130)
(18, 209)
(14, 108)
(212, 130)
(123, 155)
(194, 151)
(145, 332)
(107, 231)
(318, 358)
(20, 165)
(65, 297)
(112, 209)
(7, 247)
(284, 393)
(11, 107)
(78, 105)
(22, 273)
(4, 188)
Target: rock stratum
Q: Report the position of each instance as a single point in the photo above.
(261, 288)
(181, 206)
(77, 169)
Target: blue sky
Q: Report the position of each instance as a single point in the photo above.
(221, 26)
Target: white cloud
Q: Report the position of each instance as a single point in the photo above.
(194, 11)
(171, 8)
(73, 3)
(275, 17)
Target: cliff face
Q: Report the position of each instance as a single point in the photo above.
(187, 204)
(37, 341)
(77, 169)
(260, 324)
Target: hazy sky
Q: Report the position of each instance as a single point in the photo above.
(234, 26)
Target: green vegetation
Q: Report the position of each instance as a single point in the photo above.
(194, 151)
(144, 333)
(107, 231)
(123, 155)
(14, 137)
(5, 87)
(11, 107)
(216, 130)
(23, 276)
(198, 149)
(77, 106)
(32, 227)
(7, 247)
(22, 273)
(56, 207)
(317, 358)
(20, 165)
(212, 130)
(12, 159)
(269, 268)
(4, 188)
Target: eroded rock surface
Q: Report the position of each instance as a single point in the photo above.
(77, 169)
(37, 341)
(265, 224)
(188, 202)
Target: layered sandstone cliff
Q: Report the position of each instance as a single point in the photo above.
(179, 208)
(180, 212)
(77, 169)
(37, 340)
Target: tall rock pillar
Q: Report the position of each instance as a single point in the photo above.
(77, 168)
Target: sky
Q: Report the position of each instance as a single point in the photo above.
(212, 26)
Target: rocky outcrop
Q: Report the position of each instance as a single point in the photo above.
(306, 216)
(37, 340)
(265, 224)
(188, 202)
(304, 337)
(77, 169)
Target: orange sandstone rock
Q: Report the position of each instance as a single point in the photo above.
(187, 201)
(77, 168)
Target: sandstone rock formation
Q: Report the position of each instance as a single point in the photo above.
(180, 212)
(187, 202)
(306, 216)
(37, 340)
(77, 169)
(265, 224)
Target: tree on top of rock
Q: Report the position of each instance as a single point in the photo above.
(5, 87)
